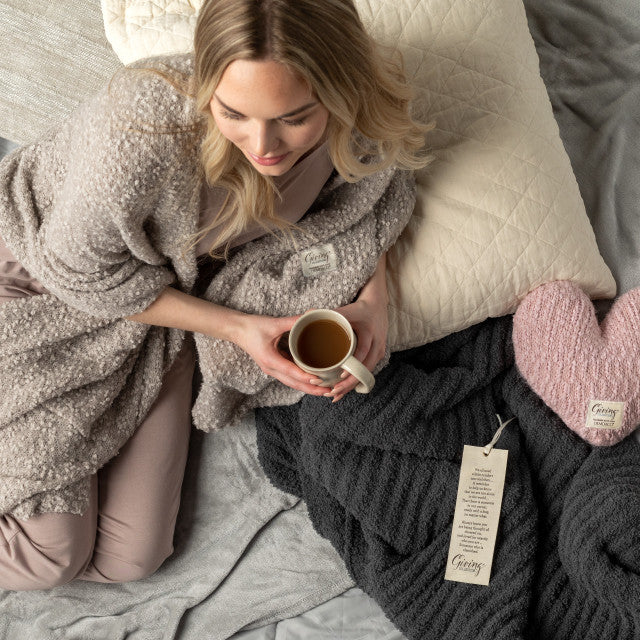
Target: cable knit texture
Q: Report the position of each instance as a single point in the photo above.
(379, 474)
(570, 360)
(99, 212)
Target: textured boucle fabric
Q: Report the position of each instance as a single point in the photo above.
(99, 212)
(569, 359)
(379, 475)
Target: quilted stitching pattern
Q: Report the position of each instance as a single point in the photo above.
(143, 28)
(499, 211)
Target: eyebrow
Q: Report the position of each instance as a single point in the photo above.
(295, 112)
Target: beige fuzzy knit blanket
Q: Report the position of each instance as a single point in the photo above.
(99, 212)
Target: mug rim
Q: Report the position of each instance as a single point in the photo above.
(299, 325)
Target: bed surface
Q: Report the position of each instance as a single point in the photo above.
(590, 61)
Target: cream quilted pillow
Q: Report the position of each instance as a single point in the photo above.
(499, 211)
(143, 28)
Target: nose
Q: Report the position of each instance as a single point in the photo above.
(263, 138)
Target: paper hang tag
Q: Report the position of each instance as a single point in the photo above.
(477, 512)
(318, 260)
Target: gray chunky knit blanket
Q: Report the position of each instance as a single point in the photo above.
(379, 475)
(99, 212)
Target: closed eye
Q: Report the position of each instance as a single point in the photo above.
(293, 123)
(231, 115)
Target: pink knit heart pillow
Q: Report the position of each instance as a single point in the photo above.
(589, 374)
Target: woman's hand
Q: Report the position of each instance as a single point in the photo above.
(370, 321)
(259, 337)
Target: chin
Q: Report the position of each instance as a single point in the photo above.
(272, 171)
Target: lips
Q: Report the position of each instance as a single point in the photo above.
(269, 160)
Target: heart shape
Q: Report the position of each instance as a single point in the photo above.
(589, 374)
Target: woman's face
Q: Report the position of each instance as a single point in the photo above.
(269, 113)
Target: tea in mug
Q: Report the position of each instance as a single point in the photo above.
(323, 343)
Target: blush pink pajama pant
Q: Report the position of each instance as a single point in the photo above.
(127, 532)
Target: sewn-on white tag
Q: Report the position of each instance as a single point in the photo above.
(475, 521)
(318, 260)
(604, 414)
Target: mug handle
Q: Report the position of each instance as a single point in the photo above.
(357, 369)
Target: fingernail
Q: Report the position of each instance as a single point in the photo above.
(327, 395)
(344, 375)
(315, 381)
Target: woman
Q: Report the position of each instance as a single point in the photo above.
(238, 142)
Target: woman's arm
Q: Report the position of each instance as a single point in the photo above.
(179, 310)
(257, 335)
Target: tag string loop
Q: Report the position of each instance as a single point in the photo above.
(487, 450)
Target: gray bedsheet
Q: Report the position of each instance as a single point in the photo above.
(590, 61)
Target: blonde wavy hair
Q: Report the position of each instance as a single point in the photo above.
(370, 126)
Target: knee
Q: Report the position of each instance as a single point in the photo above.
(139, 563)
(46, 568)
(46, 550)
(59, 573)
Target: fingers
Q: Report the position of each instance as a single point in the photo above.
(343, 387)
(289, 374)
(370, 351)
(350, 382)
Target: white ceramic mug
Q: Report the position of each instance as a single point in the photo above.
(330, 375)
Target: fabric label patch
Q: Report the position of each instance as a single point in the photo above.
(318, 260)
(603, 414)
(475, 521)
